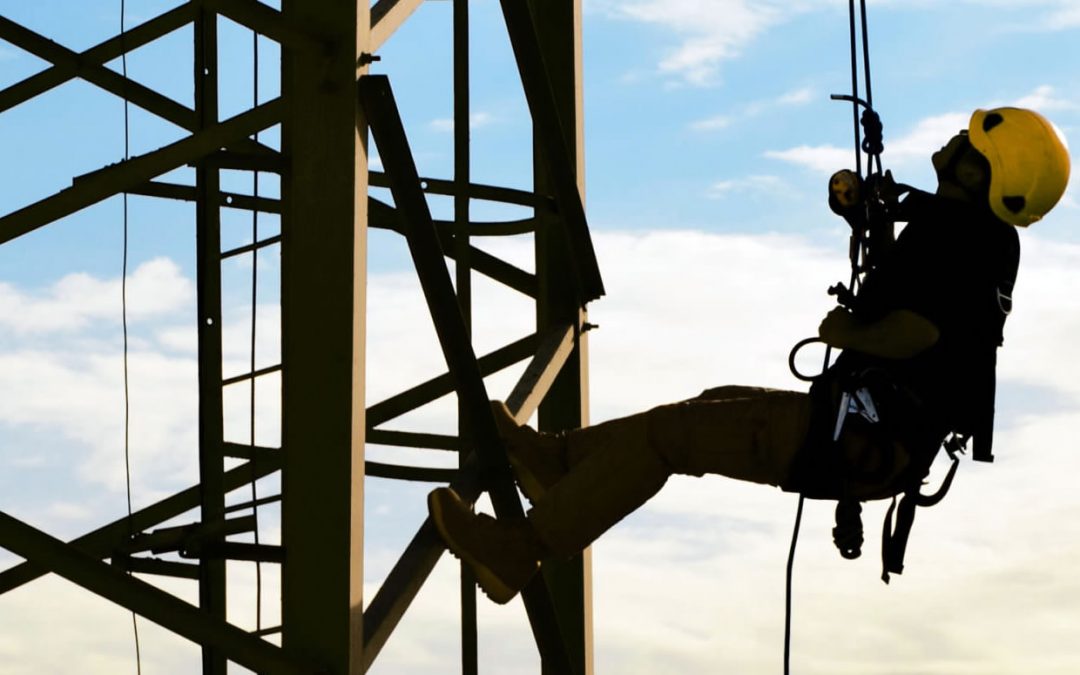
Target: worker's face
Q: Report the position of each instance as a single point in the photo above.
(949, 153)
(959, 165)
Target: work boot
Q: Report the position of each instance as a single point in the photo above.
(538, 459)
(503, 556)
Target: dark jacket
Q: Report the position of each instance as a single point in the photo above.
(955, 265)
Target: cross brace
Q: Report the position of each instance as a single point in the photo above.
(134, 172)
(146, 600)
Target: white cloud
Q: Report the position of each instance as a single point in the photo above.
(915, 146)
(77, 397)
(753, 184)
(1068, 16)
(154, 288)
(710, 31)
(820, 158)
(795, 97)
(70, 511)
(1045, 319)
(712, 123)
(1045, 98)
(689, 310)
(927, 136)
(179, 338)
(476, 121)
(911, 148)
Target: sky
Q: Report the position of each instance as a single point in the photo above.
(709, 139)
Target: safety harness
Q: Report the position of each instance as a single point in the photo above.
(868, 398)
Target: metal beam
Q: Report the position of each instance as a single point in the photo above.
(389, 134)
(403, 583)
(188, 193)
(323, 296)
(385, 217)
(146, 600)
(113, 180)
(423, 474)
(267, 21)
(184, 538)
(538, 377)
(99, 75)
(104, 52)
(89, 65)
(408, 439)
(440, 386)
(554, 145)
(557, 25)
(248, 248)
(491, 193)
(399, 589)
(212, 578)
(245, 377)
(165, 568)
(104, 541)
(386, 17)
(499, 270)
(410, 572)
(427, 254)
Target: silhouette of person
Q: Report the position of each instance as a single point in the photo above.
(919, 349)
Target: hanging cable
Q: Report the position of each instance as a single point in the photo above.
(873, 146)
(875, 152)
(787, 595)
(254, 323)
(124, 324)
(855, 86)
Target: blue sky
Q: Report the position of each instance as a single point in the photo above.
(709, 140)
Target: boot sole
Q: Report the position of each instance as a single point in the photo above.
(490, 583)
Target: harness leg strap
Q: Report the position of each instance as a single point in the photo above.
(894, 538)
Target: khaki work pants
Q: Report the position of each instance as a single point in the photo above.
(747, 433)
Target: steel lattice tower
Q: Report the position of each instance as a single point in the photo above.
(329, 104)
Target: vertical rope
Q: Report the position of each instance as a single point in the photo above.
(866, 55)
(787, 596)
(463, 283)
(866, 77)
(254, 323)
(855, 87)
(124, 324)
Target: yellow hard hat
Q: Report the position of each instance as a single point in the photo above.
(1029, 164)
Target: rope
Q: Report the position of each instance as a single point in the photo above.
(124, 323)
(866, 55)
(855, 87)
(787, 596)
(254, 323)
(873, 146)
(873, 126)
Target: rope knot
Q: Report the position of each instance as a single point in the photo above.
(872, 144)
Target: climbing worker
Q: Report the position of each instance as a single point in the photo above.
(919, 348)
